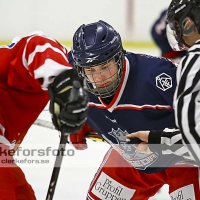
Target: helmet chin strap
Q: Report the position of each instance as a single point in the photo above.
(187, 32)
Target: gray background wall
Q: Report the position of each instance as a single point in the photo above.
(60, 18)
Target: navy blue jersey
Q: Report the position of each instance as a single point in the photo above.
(158, 33)
(142, 102)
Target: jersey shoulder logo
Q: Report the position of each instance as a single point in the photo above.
(163, 81)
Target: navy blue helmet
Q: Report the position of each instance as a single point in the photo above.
(96, 44)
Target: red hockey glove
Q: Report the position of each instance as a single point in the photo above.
(78, 139)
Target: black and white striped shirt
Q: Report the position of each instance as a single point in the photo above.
(187, 100)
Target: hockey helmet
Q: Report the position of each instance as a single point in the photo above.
(96, 44)
(182, 17)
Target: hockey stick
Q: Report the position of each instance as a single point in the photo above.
(49, 125)
(56, 168)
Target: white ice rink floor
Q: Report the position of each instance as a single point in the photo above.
(76, 172)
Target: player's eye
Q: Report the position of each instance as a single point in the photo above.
(89, 71)
(105, 67)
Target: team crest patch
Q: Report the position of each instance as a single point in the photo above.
(137, 159)
(163, 82)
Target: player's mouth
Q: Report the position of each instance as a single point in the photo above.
(104, 85)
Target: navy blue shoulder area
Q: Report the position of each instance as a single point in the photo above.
(151, 77)
(150, 62)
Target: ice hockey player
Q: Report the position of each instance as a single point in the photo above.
(159, 36)
(128, 92)
(34, 69)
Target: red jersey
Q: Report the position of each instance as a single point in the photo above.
(27, 67)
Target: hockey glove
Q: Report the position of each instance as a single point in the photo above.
(68, 102)
(78, 140)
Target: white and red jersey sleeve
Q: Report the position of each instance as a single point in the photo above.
(42, 57)
(28, 66)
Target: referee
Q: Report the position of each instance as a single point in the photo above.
(183, 32)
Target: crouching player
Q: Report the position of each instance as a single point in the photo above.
(128, 92)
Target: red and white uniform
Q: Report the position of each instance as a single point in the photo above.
(27, 67)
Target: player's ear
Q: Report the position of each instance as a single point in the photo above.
(188, 26)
